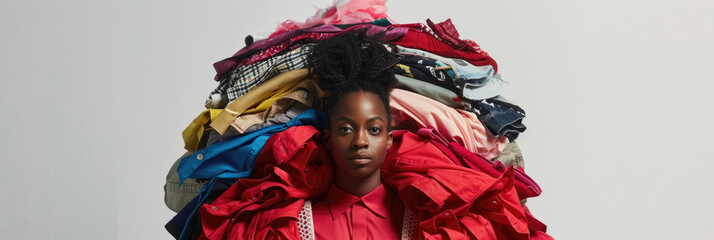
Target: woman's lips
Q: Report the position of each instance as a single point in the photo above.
(360, 158)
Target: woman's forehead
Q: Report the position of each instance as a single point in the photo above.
(360, 105)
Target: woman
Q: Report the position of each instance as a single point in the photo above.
(359, 71)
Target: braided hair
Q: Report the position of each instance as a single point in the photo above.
(353, 62)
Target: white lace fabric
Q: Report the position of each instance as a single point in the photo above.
(307, 229)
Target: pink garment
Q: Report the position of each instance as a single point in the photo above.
(415, 111)
(340, 12)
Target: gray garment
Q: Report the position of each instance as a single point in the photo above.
(217, 99)
(175, 196)
(511, 155)
(429, 90)
(214, 136)
(485, 88)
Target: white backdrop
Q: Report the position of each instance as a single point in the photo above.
(94, 96)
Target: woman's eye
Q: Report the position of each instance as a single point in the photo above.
(345, 130)
(375, 130)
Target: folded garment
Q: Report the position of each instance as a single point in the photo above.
(472, 82)
(483, 88)
(282, 83)
(306, 94)
(461, 125)
(420, 39)
(427, 70)
(176, 195)
(499, 116)
(244, 78)
(186, 224)
(461, 68)
(255, 101)
(429, 90)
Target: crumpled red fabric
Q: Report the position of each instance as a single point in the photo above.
(459, 155)
(340, 12)
(446, 206)
(449, 201)
(291, 167)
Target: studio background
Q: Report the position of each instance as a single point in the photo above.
(618, 95)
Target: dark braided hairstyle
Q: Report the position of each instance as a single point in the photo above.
(353, 62)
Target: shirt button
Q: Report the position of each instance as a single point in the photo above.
(199, 156)
(494, 202)
(214, 208)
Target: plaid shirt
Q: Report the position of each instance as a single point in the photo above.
(244, 78)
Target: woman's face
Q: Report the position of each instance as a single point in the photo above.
(358, 137)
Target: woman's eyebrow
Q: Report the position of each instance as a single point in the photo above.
(345, 118)
(375, 118)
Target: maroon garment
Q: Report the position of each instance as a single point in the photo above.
(446, 31)
(341, 215)
(420, 39)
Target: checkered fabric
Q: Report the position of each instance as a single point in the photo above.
(244, 78)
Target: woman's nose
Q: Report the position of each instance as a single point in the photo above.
(360, 140)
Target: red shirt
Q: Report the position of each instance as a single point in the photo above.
(341, 215)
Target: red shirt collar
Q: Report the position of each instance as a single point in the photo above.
(377, 201)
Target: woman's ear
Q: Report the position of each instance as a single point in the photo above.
(389, 139)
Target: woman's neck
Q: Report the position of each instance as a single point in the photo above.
(358, 186)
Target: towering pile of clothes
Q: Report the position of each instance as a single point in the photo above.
(254, 155)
